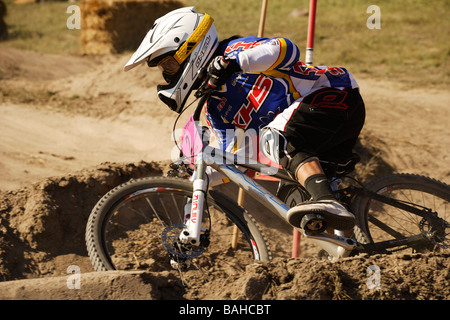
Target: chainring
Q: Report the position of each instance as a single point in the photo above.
(438, 238)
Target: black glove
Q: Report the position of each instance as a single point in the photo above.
(220, 69)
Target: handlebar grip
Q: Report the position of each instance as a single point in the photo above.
(214, 79)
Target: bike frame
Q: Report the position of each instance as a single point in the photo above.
(228, 164)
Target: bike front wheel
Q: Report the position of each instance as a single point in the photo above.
(132, 227)
(393, 228)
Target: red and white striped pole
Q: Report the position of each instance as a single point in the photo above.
(296, 235)
(311, 29)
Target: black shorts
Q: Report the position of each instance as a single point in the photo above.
(326, 125)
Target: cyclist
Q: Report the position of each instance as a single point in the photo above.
(301, 113)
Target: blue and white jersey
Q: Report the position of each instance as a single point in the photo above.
(270, 87)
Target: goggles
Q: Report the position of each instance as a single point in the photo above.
(169, 65)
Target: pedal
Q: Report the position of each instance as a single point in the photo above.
(313, 223)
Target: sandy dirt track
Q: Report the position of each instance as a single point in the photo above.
(101, 126)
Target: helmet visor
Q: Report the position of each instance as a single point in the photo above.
(169, 65)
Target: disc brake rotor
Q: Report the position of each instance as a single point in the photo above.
(171, 241)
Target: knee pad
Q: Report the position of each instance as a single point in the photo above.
(277, 148)
(269, 144)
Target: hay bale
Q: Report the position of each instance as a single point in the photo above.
(109, 26)
(24, 1)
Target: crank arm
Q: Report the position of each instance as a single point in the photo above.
(336, 246)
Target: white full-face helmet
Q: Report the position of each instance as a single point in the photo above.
(180, 43)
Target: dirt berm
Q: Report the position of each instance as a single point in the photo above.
(42, 235)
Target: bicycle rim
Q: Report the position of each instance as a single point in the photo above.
(131, 227)
(385, 223)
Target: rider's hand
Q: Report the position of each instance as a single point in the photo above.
(220, 70)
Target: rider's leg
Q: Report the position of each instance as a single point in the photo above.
(306, 168)
(319, 125)
(311, 175)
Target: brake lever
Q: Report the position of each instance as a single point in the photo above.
(206, 88)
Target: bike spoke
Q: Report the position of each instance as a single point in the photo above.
(134, 230)
(155, 212)
(407, 216)
(385, 227)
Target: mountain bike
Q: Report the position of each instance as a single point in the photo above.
(179, 221)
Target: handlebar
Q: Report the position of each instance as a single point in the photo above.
(199, 107)
(204, 92)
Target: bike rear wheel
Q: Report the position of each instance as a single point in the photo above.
(131, 226)
(388, 226)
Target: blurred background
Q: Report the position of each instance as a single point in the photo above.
(412, 45)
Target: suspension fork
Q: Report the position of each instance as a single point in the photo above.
(194, 208)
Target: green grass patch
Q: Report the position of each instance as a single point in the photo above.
(412, 45)
(41, 27)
